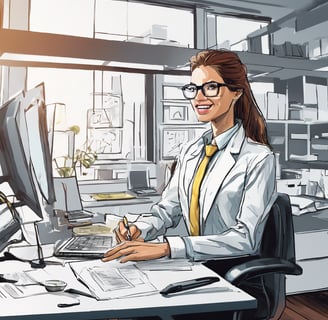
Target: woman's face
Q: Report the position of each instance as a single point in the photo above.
(218, 109)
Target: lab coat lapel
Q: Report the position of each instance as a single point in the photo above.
(187, 173)
(191, 164)
(192, 159)
(220, 171)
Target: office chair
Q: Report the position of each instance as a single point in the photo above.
(264, 276)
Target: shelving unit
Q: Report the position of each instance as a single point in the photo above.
(299, 143)
(176, 121)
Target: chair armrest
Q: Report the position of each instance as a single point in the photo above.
(261, 266)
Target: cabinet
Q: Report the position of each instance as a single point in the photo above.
(300, 135)
(299, 144)
(311, 236)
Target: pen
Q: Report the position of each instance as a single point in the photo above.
(126, 225)
(65, 305)
(188, 284)
(81, 293)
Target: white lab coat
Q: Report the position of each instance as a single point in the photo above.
(237, 193)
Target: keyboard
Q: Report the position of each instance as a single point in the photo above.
(145, 191)
(78, 214)
(88, 246)
(90, 243)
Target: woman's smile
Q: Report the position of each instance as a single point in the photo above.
(203, 109)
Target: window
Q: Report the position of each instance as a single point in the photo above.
(109, 108)
(116, 124)
(73, 17)
(232, 33)
(113, 20)
(73, 88)
(131, 21)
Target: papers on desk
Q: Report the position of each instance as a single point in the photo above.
(110, 280)
(27, 284)
(112, 196)
(94, 229)
(165, 264)
(8, 290)
(302, 204)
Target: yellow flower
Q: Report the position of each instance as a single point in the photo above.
(75, 129)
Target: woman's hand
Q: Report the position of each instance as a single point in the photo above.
(137, 251)
(121, 233)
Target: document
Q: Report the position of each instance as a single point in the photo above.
(27, 283)
(9, 290)
(111, 280)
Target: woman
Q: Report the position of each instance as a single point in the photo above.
(238, 189)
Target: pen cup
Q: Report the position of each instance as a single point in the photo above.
(55, 285)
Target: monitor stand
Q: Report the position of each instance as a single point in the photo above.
(39, 263)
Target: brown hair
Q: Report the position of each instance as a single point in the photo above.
(233, 72)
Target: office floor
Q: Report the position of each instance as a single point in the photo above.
(307, 306)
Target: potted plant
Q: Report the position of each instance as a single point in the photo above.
(66, 165)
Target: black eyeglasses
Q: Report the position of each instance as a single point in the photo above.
(209, 89)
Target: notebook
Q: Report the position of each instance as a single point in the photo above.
(139, 183)
(85, 246)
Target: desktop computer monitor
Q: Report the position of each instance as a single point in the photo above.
(16, 167)
(25, 155)
(33, 111)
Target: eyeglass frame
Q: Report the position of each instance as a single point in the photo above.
(201, 87)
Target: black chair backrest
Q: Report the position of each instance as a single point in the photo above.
(278, 235)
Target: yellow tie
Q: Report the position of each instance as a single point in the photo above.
(194, 203)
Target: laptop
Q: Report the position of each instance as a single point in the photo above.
(139, 183)
(68, 199)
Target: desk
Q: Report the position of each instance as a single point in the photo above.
(217, 297)
(220, 296)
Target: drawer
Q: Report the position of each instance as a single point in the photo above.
(314, 277)
(310, 245)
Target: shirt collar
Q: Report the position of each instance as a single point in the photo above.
(222, 139)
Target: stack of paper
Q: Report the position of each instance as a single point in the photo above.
(27, 284)
(110, 280)
(301, 205)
